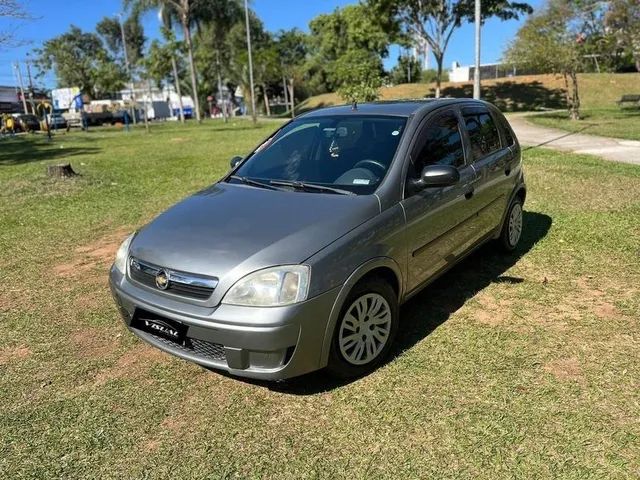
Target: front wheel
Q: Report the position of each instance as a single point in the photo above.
(365, 329)
(512, 228)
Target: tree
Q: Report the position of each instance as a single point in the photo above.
(353, 28)
(408, 69)
(436, 20)
(157, 62)
(213, 60)
(11, 9)
(622, 24)
(552, 40)
(109, 29)
(79, 59)
(358, 75)
(238, 68)
(291, 46)
(183, 11)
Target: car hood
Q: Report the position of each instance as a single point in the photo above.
(242, 228)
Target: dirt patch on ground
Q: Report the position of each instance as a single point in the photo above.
(150, 446)
(92, 343)
(14, 354)
(99, 253)
(132, 364)
(491, 311)
(565, 369)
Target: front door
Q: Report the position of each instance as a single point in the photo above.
(436, 217)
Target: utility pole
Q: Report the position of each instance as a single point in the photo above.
(24, 100)
(286, 94)
(220, 94)
(31, 91)
(476, 76)
(253, 98)
(174, 66)
(126, 62)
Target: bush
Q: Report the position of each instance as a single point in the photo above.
(429, 75)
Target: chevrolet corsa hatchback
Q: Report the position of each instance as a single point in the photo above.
(299, 258)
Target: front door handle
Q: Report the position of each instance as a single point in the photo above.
(469, 193)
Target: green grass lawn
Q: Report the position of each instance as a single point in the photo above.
(608, 122)
(517, 366)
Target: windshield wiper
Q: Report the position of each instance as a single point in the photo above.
(253, 183)
(310, 186)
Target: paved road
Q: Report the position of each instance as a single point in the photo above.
(614, 149)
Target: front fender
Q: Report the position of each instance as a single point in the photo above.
(355, 277)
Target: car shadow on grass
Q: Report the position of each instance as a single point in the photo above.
(433, 306)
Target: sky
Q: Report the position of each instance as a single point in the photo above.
(53, 17)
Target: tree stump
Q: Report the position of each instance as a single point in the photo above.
(61, 171)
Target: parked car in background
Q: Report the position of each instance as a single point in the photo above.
(27, 122)
(300, 257)
(57, 121)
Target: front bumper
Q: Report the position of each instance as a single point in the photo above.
(264, 343)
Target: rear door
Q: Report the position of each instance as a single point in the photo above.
(436, 226)
(491, 160)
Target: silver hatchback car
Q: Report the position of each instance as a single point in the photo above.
(299, 258)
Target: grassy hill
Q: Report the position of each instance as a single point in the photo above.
(523, 93)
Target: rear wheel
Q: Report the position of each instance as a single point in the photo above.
(512, 228)
(365, 329)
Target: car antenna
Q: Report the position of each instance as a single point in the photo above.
(354, 105)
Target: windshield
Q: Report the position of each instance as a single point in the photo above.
(352, 153)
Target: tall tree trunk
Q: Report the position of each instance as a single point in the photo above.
(293, 98)
(571, 94)
(177, 86)
(192, 67)
(575, 114)
(267, 108)
(439, 60)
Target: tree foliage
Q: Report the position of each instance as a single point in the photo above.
(109, 29)
(79, 59)
(358, 74)
(408, 69)
(622, 26)
(15, 10)
(436, 20)
(339, 38)
(553, 40)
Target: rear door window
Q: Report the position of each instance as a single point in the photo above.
(483, 133)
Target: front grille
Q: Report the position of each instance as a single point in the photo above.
(194, 346)
(180, 283)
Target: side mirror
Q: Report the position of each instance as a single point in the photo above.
(436, 176)
(235, 161)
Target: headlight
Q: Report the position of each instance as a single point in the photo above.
(122, 254)
(271, 287)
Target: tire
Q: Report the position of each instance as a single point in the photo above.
(351, 356)
(512, 228)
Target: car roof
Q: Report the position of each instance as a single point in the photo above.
(400, 108)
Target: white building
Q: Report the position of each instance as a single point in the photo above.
(459, 73)
(159, 103)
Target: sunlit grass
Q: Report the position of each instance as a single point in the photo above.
(518, 366)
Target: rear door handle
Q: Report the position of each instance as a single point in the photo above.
(469, 194)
